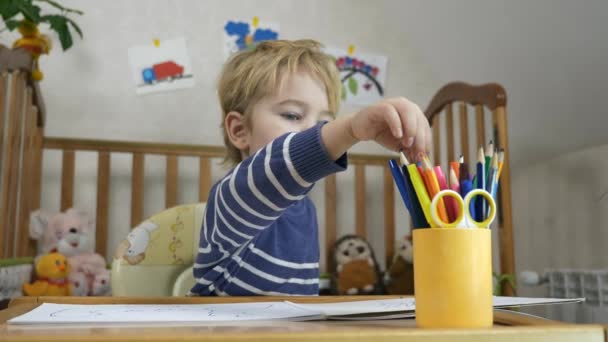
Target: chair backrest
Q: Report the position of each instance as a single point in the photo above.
(488, 96)
(157, 252)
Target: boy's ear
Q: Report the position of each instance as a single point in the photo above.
(237, 130)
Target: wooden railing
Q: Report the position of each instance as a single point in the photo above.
(205, 154)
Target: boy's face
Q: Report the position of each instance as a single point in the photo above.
(299, 104)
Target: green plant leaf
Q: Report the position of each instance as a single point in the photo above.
(59, 24)
(12, 24)
(30, 12)
(58, 6)
(75, 27)
(8, 9)
(343, 95)
(353, 86)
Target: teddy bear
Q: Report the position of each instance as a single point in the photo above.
(133, 248)
(356, 269)
(399, 277)
(51, 276)
(70, 233)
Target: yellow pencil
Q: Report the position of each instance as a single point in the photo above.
(423, 196)
(501, 161)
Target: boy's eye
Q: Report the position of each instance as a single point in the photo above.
(291, 116)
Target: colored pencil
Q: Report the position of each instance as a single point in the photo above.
(417, 213)
(480, 184)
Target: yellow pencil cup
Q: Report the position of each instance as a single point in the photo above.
(453, 277)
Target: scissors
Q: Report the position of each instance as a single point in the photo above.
(464, 219)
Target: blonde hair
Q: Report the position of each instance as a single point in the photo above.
(251, 75)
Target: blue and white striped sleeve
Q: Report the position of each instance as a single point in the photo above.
(259, 188)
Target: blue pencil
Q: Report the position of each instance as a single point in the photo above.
(400, 182)
(465, 187)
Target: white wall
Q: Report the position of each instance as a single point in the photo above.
(562, 207)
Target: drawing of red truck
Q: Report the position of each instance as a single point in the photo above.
(165, 71)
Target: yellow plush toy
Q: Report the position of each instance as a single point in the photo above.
(35, 43)
(51, 277)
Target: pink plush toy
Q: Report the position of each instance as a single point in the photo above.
(72, 234)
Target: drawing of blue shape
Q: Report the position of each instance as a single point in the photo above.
(239, 29)
(148, 75)
(265, 34)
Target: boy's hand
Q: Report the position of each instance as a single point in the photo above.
(394, 123)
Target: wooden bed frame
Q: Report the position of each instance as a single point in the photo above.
(23, 146)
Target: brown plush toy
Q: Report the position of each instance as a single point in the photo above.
(399, 278)
(356, 269)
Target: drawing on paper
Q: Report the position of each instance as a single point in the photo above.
(240, 35)
(161, 66)
(363, 76)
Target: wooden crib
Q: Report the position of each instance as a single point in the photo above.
(23, 146)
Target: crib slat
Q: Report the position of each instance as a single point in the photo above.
(436, 139)
(67, 180)
(3, 90)
(33, 191)
(204, 179)
(481, 126)
(464, 132)
(389, 216)
(171, 182)
(360, 213)
(3, 115)
(11, 166)
(25, 172)
(449, 121)
(505, 217)
(103, 202)
(330, 219)
(137, 189)
(37, 165)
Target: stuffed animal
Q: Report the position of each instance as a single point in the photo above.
(101, 285)
(399, 278)
(133, 248)
(51, 277)
(70, 233)
(78, 284)
(35, 43)
(357, 270)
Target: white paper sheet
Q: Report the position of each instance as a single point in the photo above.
(405, 307)
(199, 313)
(363, 307)
(505, 302)
(165, 313)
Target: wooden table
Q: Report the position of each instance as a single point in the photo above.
(509, 326)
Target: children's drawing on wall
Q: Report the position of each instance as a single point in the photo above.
(240, 34)
(161, 65)
(363, 76)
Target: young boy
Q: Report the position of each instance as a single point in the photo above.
(259, 234)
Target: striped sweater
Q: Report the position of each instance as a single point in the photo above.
(259, 233)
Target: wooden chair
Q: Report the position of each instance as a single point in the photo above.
(488, 96)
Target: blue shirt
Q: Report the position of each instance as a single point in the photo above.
(260, 231)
